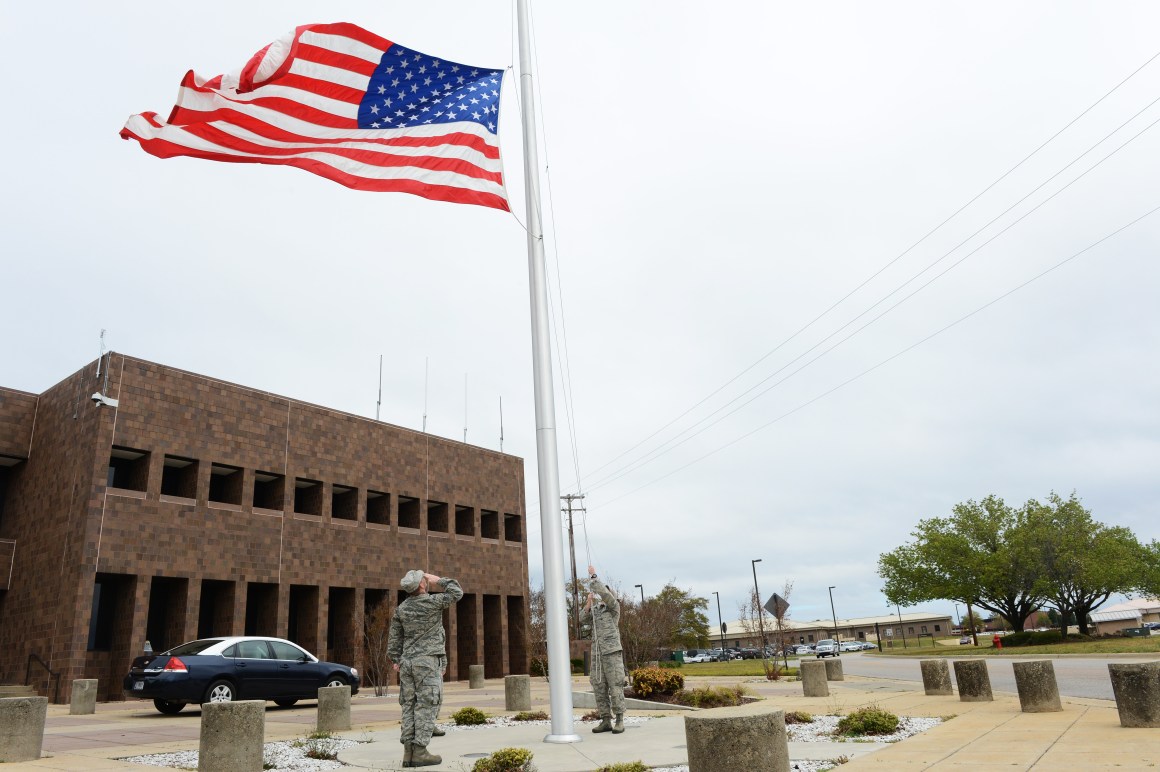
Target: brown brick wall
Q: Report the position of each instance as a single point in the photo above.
(17, 417)
(81, 528)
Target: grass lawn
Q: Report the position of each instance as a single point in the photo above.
(736, 667)
(1148, 645)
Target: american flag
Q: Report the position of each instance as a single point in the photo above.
(347, 105)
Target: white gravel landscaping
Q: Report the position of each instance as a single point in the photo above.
(286, 756)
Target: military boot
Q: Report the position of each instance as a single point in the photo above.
(618, 725)
(421, 758)
(604, 726)
(437, 732)
(406, 755)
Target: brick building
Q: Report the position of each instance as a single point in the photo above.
(195, 507)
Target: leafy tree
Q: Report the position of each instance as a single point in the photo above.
(690, 621)
(1083, 562)
(982, 554)
(1149, 583)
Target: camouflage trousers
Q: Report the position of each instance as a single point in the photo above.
(607, 677)
(421, 695)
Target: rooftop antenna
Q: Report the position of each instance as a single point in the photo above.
(501, 423)
(101, 397)
(380, 402)
(426, 360)
(101, 355)
(465, 408)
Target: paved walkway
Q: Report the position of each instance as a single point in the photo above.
(1087, 735)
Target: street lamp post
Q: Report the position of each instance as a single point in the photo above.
(834, 615)
(720, 626)
(757, 603)
(959, 619)
(641, 586)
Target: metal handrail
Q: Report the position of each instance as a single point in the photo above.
(55, 676)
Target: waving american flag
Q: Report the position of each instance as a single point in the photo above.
(347, 105)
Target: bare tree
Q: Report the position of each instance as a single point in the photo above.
(537, 634)
(376, 629)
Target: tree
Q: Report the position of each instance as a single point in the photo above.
(671, 618)
(755, 620)
(537, 633)
(376, 629)
(982, 555)
(1083, 562)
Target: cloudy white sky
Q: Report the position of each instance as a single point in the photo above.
(720, 175)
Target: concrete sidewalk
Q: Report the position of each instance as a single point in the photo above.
(1085, 736)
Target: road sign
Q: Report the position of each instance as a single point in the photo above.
(724, 628)
(777, 605)
(889, 632)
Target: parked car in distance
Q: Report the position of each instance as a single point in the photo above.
(234, 668)
(802, 651)
(964, 640)
(750, 654)
(827, 647)
(850, 646)
(698, 655)
(867, 646)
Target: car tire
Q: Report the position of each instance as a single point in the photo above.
(221, 691)
(285, 703)
(168, 707)
(336, 681)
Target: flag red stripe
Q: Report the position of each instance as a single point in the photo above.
(164, 149)
(185, 118)
(346, 29)
(325, 88)
(335, 59)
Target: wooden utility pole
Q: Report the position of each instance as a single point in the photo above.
(569, 499)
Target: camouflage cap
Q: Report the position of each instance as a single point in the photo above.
(411, 581)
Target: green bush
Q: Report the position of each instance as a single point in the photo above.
(532, 715)
(868, 720)
(631, 766)
(468, 717)
(656, 680)
(506, 760)
(1031, 638)
(577, 666)
(797, 717)
(712, 696)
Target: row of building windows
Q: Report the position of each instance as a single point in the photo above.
(129, 470)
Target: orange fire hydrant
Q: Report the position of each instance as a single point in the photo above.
(997, 642)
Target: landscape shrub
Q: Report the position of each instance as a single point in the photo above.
(656, 680)
(631, 766)
(1031, 638)
(577, 666)
(712, 696)
(506, 760)
(797, 717)
(530, 715)
(469, 717)
(868, 720)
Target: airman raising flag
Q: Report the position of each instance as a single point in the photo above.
(350, 106)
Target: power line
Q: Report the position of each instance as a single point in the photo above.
(886, 361)
(874, 275)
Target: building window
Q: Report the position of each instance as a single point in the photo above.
(511, 528)
(409, 512)
(378, 508)
(128, 469)
(489, 524)
(307, 496)
(343, 502)
(179, 477)
(911, 630)
(810, 637)
(269, 490)
(464, 520)
(225, 484)
(924, 628)
(437, 516)
(938, 628)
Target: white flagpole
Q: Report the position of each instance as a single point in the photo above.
(559, 665)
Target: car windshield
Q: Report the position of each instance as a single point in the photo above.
(193, 647)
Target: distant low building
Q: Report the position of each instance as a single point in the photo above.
(912, 626)
(1121, 616)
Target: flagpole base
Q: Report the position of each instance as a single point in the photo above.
(562, 739)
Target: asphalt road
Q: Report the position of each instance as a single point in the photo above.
(1076, 676)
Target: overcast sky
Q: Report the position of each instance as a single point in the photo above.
(719, 175)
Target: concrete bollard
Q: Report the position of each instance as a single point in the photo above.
(232, 736)
(974, 680)
(834, 669)
(475, 676)
(84, 697)
(334, 709)
(517, 692)
(1038, 691)
(813, 675)
(936, 677)
(1137, 691)
(22, 727)
(737, 738)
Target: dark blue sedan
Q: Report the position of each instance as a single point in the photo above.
(236, 668)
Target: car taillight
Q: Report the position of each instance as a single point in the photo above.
(174, 665)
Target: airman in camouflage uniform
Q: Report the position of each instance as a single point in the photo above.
(417, 646)
(606, 671)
